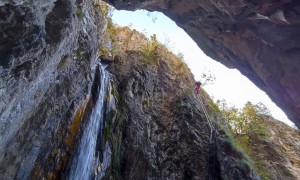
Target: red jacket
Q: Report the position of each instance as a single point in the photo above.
(197, 89)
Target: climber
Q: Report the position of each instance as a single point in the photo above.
(197, 87)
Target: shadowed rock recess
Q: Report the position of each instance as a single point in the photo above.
(64, 116)
(259, 38)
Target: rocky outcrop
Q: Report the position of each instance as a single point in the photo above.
(278, 154)
(61, 118)
(48, 63)
(259, 38)
(165, 125)
(166, 135)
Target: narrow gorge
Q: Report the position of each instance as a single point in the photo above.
(82, 98)
(259, 38)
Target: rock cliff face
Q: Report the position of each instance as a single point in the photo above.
(279, 153)
(166, 134)
(259, 38)
(48, 65)
(63, 117)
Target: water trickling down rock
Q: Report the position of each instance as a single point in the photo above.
(50, 90)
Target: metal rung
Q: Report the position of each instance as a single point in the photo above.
(207, 117)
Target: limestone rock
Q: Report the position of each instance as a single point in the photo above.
(280, 153)
(166, 135)
(47, 68)
(259, 38)
(50, 81)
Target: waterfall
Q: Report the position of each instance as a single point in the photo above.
(84, 160)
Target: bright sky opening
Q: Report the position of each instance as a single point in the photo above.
(230, 84)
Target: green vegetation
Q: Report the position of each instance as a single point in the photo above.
(104, 51)
(62, 63)
(234, 145)
(150, 51)
(106, 134)
(214, 107)
(79, 13)
(246, 122)
(108, 52)
(112, 29)
(106, 12)
(187, 92)
(117, 141)
(81, 53)
(180, 65)
(248, 129)
(105, 9)
(113, 133)
(146, 102)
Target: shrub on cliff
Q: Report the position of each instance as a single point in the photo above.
(246, 121)
(151, 46)
(248, 129)
(150, 50)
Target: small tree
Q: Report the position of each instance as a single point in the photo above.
(252, 115)
(246, 121)
(248, 129)
(207, 78)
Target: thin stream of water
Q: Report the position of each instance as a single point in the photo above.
(83, 162)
